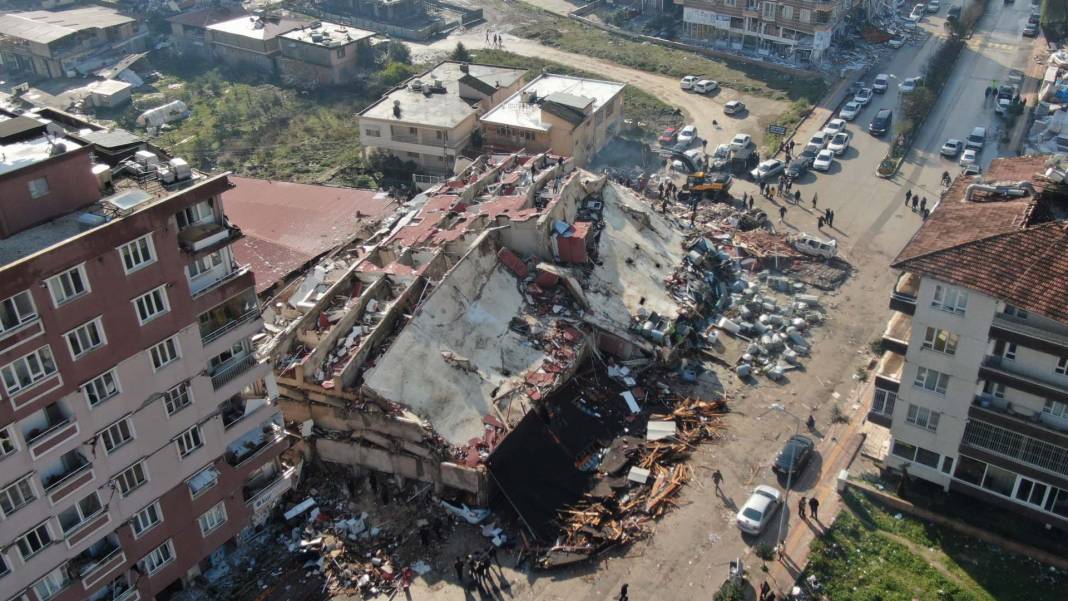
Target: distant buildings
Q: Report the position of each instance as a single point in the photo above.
(327, 54)
(250, 41)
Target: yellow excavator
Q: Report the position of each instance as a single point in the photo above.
(704, 184)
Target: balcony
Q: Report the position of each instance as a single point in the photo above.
(206, 282)
(73, 472)
(1025, 420)
(1011, 329)
(253, 443)
(41, 442)
(888, 371)
(80, 533)
(897, 333)
(98, 561)
(207, 237)
(1002, 371)
(238, 408)
(903, 298)
(225, 318)
(226, 372)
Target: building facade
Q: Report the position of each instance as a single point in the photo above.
(800, 30)
(250, 42)
(974, 382)
(138, 432)
(324, 54)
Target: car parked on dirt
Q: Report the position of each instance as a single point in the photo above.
(687, 82)
(705, 86)
(688, 134)
(668, 137)
(733, 107)
(767, 169)
(798, 449)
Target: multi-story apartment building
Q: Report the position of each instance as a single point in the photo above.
(800, 30)
(139, 438)
(974, 381)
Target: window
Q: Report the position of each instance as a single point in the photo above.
(8, 445)
(999, 480)
(204, 264)
(931, 380)
(137, 254)
(1016, 446)
(132, 478)
(117, 434)
(101, 388)
(730, 2)
(189, 441)
(32, 542)
(85, 338)
(80, 512)
(1057, 502)
(52, 584)
(995, 389)
(787, 12)
(1062, 366)
(177, 398)
(942, 341)
(970, 470)
(768, 10)
(164, 353)
(17, 495)
(28, 370)
(68, 285)
(4, 568)
(805, 15)
(38, 187)
(202, 481)
(146, 519)
(372, 132)
(212, 518)
(1031, 491)
(947, 465)
(949, 299)
(340, 52)
(904, 450)
(198, 213)
(1006, 350)
(926, 457)
(1013, 311)
(151, 305)
(16, 311)
(159, 557)
(1055, 408)
(883, 401)
(923, 418)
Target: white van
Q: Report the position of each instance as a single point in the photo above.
(811, 245)
(705, 86)
(687, 82)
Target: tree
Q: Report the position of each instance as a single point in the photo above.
(766, 553)
(398, 52)
(460, 53)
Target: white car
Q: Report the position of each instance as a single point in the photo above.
(1002, 106)
(811, 245)
(909, 85)
(834, 126)
(733, 107)
(754, 516)
(863, 97)
(688, 134)
(896, 42)
(824, 160)
(850, 111)
(969, 157)
(687, 82)
(705, 86)
(820, 139)
(741, 141)
(933, 6)
(881, 83)
(917, 13)
(839, 143)
(768, 168)
(952, 147)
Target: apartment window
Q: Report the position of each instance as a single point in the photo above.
(198, 213)
(52, 584)
(947, 465)
(413, 131)
(1057, 502)
(32, 542)
(38, 187)
(787, 12)
(16, 312)
(942, 341)
(7, 441)
(177, 398)
(999, 480)
(372, 132)
(164, 353)
(68, 285)
(1006, 350)
(205, 264)
(17, 495)
(151, 305)
(117, 434)
(904, 450)
(1014, 311)
(730, 2)
(1062, 366)
(932, 380)
(132, 478)
(437, 134)
(202, 481)
(5, 569)
(212, 518)
(768, 10)
(995, 389)
(137, 254)
(805, 15)
(1055, 408)
(80, 512)
(189, 441)
(101, 388)
(923, 418)
(947, 298)
(28, 370)
(1031, 491)
(340, 52)
(883, 401)
(85, 338)
(159, 557)
(146, 519)
(926, 457)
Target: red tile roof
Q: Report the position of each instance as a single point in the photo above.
(288, 224)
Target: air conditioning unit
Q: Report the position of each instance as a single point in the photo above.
(182, 170)
(146, 158)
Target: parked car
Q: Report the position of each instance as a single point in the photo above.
(688, 134)
(917, 13)
(850, 111)
(1034, 19)
(839, 143)
(896, 42)
(798, 449)
(820, 139)
(668, 137)
(1015, 77)
(881, 83)
(974, 169)
(810, 151)
(1002, 106)
(834, 126)
(733, 107)
(811, 245)
(705, 86)
(755, 515)
(909, 85)
(933, 6)
(741, 141)
(687, 82)
(767, 169)
(798, 167)
(952, 147)
(881, 123)
(824, 160)
(863, 97)
(1030, 30)
(976, 139)
(969, 157)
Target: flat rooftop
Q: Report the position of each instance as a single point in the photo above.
(328, 35)
(45, 26)
(21, 154)
(563, 89)
(445, 109)
(259, 28)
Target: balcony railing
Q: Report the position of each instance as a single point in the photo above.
(234, 273)
(251, 492)
(225, 373)
(229, 326)
(57, 481)
(232, 415)
(205, 235)
(1025, 418)
(253, 444)
(1007, 372)
(51, 438)
(1054, 343)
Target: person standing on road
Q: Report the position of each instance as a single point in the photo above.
(782, 214)
(458, 565)
(751, 201)
(923, 204)
(623, 590)
(765, 588)
(908, 197)
(797, 197)
(801, 507)
(814, 508)
(814, 200)
(717, 479)
(819, 223)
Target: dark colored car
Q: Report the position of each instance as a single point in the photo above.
(798, 167)
(953, 14)
(794, 456)
(881, 123)
(1030, 31)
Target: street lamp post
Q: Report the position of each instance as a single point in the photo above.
(789, 475)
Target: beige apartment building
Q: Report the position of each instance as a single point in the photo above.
(800, 30)
(139, 437)
(324, 53)
(974, 380)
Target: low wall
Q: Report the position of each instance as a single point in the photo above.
(419, 34)
(469, 15)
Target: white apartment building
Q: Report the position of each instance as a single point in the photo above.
(974, 382)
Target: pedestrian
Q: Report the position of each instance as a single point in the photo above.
(780, 550)
(782, 214)
(717, 478)
(458, 565)
(797, 197)
(926, 214)
(693, 214)
(814, 508)
(765, 589)
(908, 196)
(715, 124)
(792, 145)
(751, 201)
(487, 36)
(801, 507)
(923, 203)
(424, 536)
(814, 200)
(811, 423)
(623, 592)
(819, 223)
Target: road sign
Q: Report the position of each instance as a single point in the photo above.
(776, 129)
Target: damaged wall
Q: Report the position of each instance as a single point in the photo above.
(534, 237)
(382, 331)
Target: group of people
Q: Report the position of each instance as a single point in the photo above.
(473, 570)
(498, 41)
(917, 204)
(813, 508)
